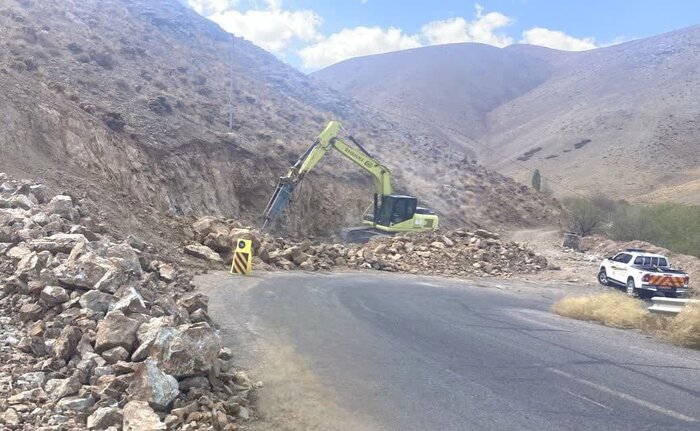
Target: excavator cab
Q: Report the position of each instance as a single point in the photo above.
(398, 213)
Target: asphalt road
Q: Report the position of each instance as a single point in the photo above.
(409, 353)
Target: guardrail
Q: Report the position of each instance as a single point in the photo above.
(672, 306)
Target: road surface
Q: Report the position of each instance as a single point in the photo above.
(396, 352)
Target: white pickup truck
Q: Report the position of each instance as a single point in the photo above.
(643, 274)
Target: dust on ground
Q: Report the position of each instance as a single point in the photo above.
(295, 399)
(564, 265)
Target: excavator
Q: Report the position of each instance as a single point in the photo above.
(390, 213)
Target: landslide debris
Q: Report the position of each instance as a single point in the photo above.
(452, 253)
(98, 334)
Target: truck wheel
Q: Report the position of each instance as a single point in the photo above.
(603, 277)
(631, 290)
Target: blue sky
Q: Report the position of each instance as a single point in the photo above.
(311, 34)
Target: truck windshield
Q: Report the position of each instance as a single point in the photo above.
(650, 261)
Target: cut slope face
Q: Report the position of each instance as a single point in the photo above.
(127, 101)
(621, 120)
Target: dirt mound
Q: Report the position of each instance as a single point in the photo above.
(451, 253)
(99, 333)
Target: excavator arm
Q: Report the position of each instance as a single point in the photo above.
(327, 140)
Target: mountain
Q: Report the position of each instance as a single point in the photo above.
(622, 120)
(126, 103)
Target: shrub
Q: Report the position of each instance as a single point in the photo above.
(672, 226)
(581, 216)
(537, 180)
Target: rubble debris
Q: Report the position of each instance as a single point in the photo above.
(456, 253)
(94, 336)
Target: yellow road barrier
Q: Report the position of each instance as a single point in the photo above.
(242, 257)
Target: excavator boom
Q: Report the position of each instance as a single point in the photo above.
(395, 212)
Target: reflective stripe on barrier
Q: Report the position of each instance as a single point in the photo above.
(242, 257)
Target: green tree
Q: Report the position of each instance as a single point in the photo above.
(537, 180)
(581, 216)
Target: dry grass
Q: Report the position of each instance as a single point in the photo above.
(620, 311)
(684, 329)
(611, 309)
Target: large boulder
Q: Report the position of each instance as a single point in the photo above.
(193, 350)
(40, 193)
(194, 301)
(58, 243)
(130, 302)
(63, 206)
(219, 242)
(54, 295)
(206, 225)
(139, 416)
(104, 418)
(152, 385)
(114, 330)
(65, 345)
(57, 389)
(147, 334)
(97, 301)
(83, 270)
(21, 201)
(125, 258)
(203, 252)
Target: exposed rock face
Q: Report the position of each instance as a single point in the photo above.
(92, 335)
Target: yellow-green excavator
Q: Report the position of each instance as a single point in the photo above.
(390, 213)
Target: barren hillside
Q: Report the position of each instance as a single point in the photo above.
(125, 102)
(622, 120)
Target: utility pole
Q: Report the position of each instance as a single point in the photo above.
(230, 89)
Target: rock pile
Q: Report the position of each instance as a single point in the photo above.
(452, 253)
(97, 334)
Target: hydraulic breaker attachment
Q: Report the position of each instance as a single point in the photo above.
(279, 200)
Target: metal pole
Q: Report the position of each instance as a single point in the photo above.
(230, 91)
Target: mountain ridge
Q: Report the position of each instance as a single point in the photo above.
(626, 101)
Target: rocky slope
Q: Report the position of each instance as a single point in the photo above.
(604, 120)
(126, 102)
(99, 333)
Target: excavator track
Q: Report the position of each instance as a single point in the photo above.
(362, 234)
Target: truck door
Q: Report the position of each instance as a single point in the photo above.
(619, 267)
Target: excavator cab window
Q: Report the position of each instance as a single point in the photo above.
(396, 209)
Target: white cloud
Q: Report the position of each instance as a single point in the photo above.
(273, 28)
(356, 42)
(482, 29)
(556, 39)
(282, 32)
(211, 7)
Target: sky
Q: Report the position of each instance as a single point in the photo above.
(313, 34)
